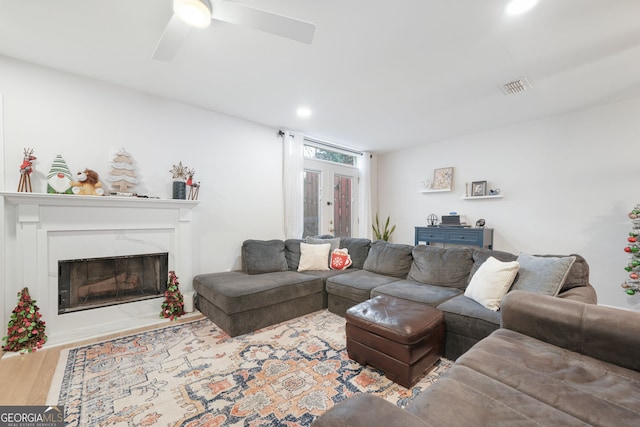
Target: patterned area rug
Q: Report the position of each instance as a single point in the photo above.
(193, 374)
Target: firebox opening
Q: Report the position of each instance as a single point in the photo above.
(99, 282)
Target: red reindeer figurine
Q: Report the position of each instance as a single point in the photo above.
(25, 171)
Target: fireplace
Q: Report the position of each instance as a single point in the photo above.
(49, 228)
(99, 282)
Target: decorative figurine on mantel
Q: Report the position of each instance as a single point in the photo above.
(194, 187)
(632, 284)
(179, 174)
(123, 172)
(26, 168)
(87, 184)
(59, 178)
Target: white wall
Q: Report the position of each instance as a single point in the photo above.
(86, 121)
(568, 183)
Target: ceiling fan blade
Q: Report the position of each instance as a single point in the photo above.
(171, 39)
(247, 16)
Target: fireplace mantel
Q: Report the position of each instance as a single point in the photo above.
(71, 200)
(41, 229)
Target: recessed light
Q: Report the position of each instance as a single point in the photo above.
(303, 112)
(516, 7)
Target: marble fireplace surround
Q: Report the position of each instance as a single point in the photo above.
(41, 229)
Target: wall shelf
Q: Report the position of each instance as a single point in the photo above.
(435, 191)
(492, 196)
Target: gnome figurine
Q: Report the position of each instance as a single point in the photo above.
(59, 178)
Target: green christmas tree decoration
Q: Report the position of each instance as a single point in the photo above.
(632, 284)
(173, 305)
(25, 332)
(59, 177)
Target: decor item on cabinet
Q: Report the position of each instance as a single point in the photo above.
(26, 168)
(194, 187)
(87, 184)
(123, 175)
(432, 220)
(632, 284)
(443, 179)
(478, 188)
(179, 174)
(59, 178)
(25, 332)
(480, 223)
(383, 234)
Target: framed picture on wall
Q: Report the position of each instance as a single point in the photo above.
(443, 179)
(478, 188)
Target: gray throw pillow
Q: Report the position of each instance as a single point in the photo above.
(542, 275)
(263, 256)
(334, 242)
(389, 259)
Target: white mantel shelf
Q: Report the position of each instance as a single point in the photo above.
(72, 200)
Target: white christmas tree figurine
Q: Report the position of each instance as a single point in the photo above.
(123, 172)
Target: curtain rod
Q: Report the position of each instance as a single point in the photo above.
(325, 144)
(334, 146)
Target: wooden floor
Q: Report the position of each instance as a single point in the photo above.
(25, 379)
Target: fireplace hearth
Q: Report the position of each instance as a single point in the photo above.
(85, 284)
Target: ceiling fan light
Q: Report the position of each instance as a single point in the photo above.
(517, 7)
(196, 13)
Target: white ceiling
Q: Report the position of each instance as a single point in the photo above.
(379, 75)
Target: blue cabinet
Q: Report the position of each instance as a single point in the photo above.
(480, 237)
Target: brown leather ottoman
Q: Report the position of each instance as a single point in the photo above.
(401, 338)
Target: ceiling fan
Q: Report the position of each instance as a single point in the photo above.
(199, 13)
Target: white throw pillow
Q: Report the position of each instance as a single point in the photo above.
(491, 282)
(314, 257)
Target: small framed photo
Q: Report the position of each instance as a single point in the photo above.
(478, 188)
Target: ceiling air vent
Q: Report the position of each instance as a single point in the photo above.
(516, 86)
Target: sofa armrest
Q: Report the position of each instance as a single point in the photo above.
(367, 410)
(608, 334)
(586, 294)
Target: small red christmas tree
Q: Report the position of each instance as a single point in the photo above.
(25, 331)
(173, 305)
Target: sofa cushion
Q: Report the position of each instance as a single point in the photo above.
(542, 275)
(356, 285)
(334, 242)
(390, 259)
(358, 250)
(314, 257)
(491, 282)
(464, 316)
(263, 256)
(441, 266)
(292, 253)
(236, 292)
(480, 255)
(414, 291)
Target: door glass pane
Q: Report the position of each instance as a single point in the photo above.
(311, 203)
(342, 205)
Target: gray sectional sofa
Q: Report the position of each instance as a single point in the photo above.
(269, 289)
(554, 362)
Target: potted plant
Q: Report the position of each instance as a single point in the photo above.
(383, 233)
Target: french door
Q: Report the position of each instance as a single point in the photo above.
(329, 199)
